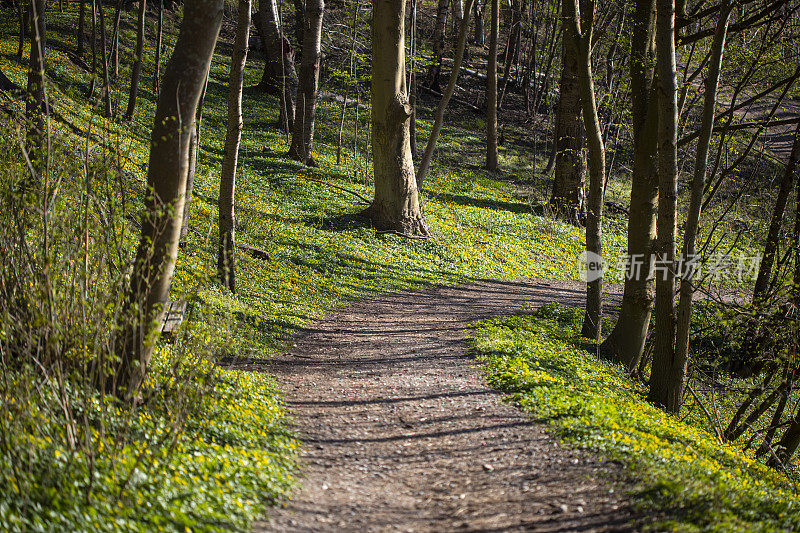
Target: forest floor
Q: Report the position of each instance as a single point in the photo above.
(402, 433)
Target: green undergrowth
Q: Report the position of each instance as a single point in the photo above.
(684, 475)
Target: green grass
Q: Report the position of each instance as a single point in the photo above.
(685, 476)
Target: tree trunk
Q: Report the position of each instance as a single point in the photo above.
(478, 38)
(226, 260)
(159, 38)
(698, 187)
(438, 45)
(108, 111)
(412, 93)
(579, 26)
(24, 26)
(115, 40)
(458, 15)
(667, 377)
(194, 154)
(280, 77)
(625, 343)
(491, 90)
(183, 83)
(137, 62)
(36, 103)
(303, 131)
(771, 245)
(568, 198)
(448, 92)
(396, 203)
(81, 27)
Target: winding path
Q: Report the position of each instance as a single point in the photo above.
(401, 433)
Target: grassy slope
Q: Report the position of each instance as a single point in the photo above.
(686, 477)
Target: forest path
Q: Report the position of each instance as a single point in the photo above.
(401, 433)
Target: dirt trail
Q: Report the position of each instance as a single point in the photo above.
(400, 433)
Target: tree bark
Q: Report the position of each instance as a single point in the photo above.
(568, 198)
(137, 62)
(667, 377)
(699, 178)
(491, 90)
(458, 15)
(396, 203)
(625, 343)
(303, 131)
(226, 259)
(183, 83)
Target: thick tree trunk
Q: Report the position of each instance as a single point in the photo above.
(448, 92)
(773, 236)
(36, 103)
(625, 343)
(667, 377)
(698, 187)
(396, 203)
(137, 61)
(568, 198)
(226, 259)
(184, 79)
(491, 90)
(280, 77)
(303, 130)
(438, 45)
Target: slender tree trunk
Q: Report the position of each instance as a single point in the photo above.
(81, 27)
(579, 29)
(104, 58)
(625, 343)
(478, 38)
(568, 198)
(226, 260)
(771, 245)
(24, 25)
(280, 77)
(511, 46)
(698, 187)
(448, 92)
(194, 154)
(438, 45)
(412, 93)
(184, 78)
(115, 40)
(458, 15)
(667, 377)
(491, 90)
(36, 102)
(303, 131)
(299, 25)
(159, 47)
(137, 61)
(396, 203)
